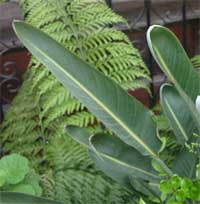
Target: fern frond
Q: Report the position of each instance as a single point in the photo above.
(103, 37)
(81, 119)
(90, 188)
(66, 154)
(196, 61)
(137, 84)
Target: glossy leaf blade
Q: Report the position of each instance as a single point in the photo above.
(185, 164)
(173, 60)
(104, 98)
(18, 198)
(120, 161)
(178, 113)
(80, 135)
(115, 158)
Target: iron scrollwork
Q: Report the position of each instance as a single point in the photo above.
(9, 82)
(9, 79)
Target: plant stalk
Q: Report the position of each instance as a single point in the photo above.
(164, 167)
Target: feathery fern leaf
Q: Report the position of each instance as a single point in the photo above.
(196, 61)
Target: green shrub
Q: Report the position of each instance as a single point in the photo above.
(131, 155)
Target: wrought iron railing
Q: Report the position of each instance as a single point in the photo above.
(10, 81)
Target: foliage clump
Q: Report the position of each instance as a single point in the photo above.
(17, 176)
(34, 125)
(177, 190)
(132, 156)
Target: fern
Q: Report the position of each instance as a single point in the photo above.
(196, 61)
(95, 188)
(34, 126)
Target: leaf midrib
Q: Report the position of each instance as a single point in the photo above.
(127, 165)
(96, 100)
(176, 83)
(176, 120)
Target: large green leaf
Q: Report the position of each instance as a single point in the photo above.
(80, 135)
(120, 160)
(30, 185)
(185, 164)
(178, 113)
(173, 60)
(18, 198)
(126, 116)
(14, 168)
(115, 158)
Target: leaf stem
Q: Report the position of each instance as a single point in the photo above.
(164, 167)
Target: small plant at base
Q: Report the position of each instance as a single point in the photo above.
(16, 176)
(177, 190)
